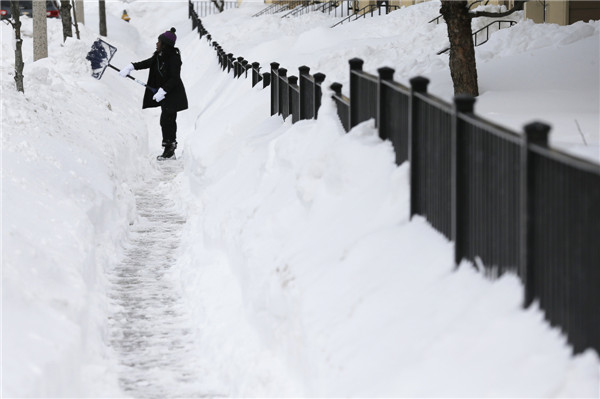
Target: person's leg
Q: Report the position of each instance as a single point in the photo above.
(168, 123)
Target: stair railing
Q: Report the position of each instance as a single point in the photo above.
(272, 9)
(485, 29)
(371, 9)
(304, 7)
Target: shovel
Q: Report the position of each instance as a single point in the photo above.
(100, 56)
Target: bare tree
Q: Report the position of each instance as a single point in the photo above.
(102, 10)
(65, 16)
(40, 31)
(16, 24)
(75, 21)
(462, 51)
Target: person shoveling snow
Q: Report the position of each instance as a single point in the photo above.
(165, 68)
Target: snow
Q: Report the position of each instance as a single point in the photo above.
(288, 265)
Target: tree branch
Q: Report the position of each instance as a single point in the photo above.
(519, 5)
(8, 21)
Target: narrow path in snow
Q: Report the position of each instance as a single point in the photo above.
(151, 332)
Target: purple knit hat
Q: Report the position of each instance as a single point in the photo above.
(168, 37)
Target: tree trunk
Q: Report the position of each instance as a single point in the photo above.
(40, 31)
(65, 16)
(80, 12)
(462, 52)
(75, 21)
(102, 10)
(14, 9)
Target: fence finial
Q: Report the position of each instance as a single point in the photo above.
(419, 84)
(356, 64)
(537, 132)
(386, 73)
(319, 77)
(303, 70)
(464, 103)
(337, 88)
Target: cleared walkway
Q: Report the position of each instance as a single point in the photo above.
(151, 332)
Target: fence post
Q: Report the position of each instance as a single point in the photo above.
(303, 72)
(292, 81)
(535, 133)
(245, 67)
(282, 92)
(463, 103)
(337, 90)
(266, 79)
(255, 73)
(239, 66)
(229, 62)
(274, 88)
(319, 78)
(356, 65)
(417, 85)
(223, 58)
(386, 74)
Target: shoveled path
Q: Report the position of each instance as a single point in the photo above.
(150, 331)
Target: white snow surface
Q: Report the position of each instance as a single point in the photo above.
(271, 259)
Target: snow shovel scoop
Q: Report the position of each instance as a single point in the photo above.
(100, 56)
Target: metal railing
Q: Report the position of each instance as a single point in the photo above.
(267, 10)
(205, 8)
(507, 200)
(280, 6)
(368, 10)
(312, 6)
(440, 17)
(486, 29)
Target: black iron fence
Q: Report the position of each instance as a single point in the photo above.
(507, 200)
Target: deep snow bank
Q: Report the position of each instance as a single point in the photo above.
(70, 151)
(330, 277)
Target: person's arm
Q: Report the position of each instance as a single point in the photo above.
(135, 65)
(143, 64)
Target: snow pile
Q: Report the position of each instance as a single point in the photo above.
(70, 150)
(356, 299)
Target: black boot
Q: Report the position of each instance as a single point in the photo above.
(169, 152)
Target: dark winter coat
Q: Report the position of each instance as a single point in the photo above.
(165, 69)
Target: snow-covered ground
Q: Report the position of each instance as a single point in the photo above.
(297, 271)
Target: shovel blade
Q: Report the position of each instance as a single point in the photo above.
(100, 56)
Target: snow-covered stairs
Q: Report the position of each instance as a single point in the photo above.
(151, 332)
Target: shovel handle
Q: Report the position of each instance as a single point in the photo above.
(152, 89)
